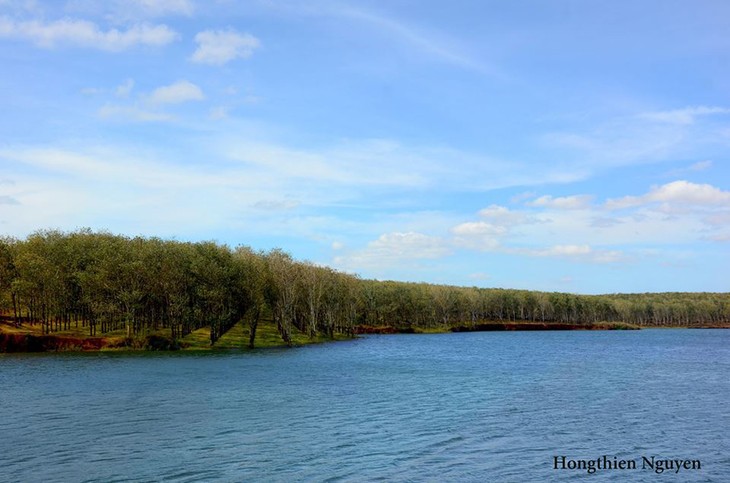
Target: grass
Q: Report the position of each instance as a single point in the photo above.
(237, 337)
(441, 329)
(37, 329)
(267, 335)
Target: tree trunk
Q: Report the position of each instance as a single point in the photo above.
(252, 328)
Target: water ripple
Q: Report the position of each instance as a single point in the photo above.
(452, 407)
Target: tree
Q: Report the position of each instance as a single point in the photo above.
(283, 293)
(257, 279)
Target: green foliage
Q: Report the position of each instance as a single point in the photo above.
(205, 294)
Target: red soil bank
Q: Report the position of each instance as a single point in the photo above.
(46, 343)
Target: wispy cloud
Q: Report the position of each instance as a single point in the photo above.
(148, 107)
(720, 238)
(133, 114)
(693, 168)
(719, 219)
(263, 184)
(700, 165)
(478, 235)
(23, 6)
(83, 33)
(687, 115)
(394, 248)
(430, 44)
(385, 162)
(160, 7)
(368, 163)
(581, 253)
(654, 137)
(276, 205)
(680, 193)
(218, 47)
(124, 89)
(136, 189)
(8, 200)
(575, 202)
(121, 11)
(501, 238)
(176, 93)
(570, 228)
(503, 216)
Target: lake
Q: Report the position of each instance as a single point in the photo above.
(490, 406)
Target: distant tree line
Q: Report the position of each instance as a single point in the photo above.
(105, 282)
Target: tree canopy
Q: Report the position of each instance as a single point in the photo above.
(108, 282)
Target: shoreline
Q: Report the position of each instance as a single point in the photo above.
(494, 327)
(18, 343)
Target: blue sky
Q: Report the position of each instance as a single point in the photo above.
(563, 146)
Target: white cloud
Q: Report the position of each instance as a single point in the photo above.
(495, 211)
(502, 215)
(570, 227)
(392, 249)
(478, 228)
(543, 226)
(218, 47)
(563, 251)
(478, 235)
(180, 91)
(680, 193)
(176, 93)
(138, 189)
(83, 33)
(690, 193)
(576, 202)
(686, 115)
(637, 227)
(408, 245)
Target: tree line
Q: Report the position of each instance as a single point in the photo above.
(106, 282)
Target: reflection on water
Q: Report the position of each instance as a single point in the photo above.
(448, 407)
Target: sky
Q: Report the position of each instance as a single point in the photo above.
(569, 145)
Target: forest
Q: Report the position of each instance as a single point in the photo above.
(106, 283)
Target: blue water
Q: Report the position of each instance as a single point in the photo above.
(448, 407)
